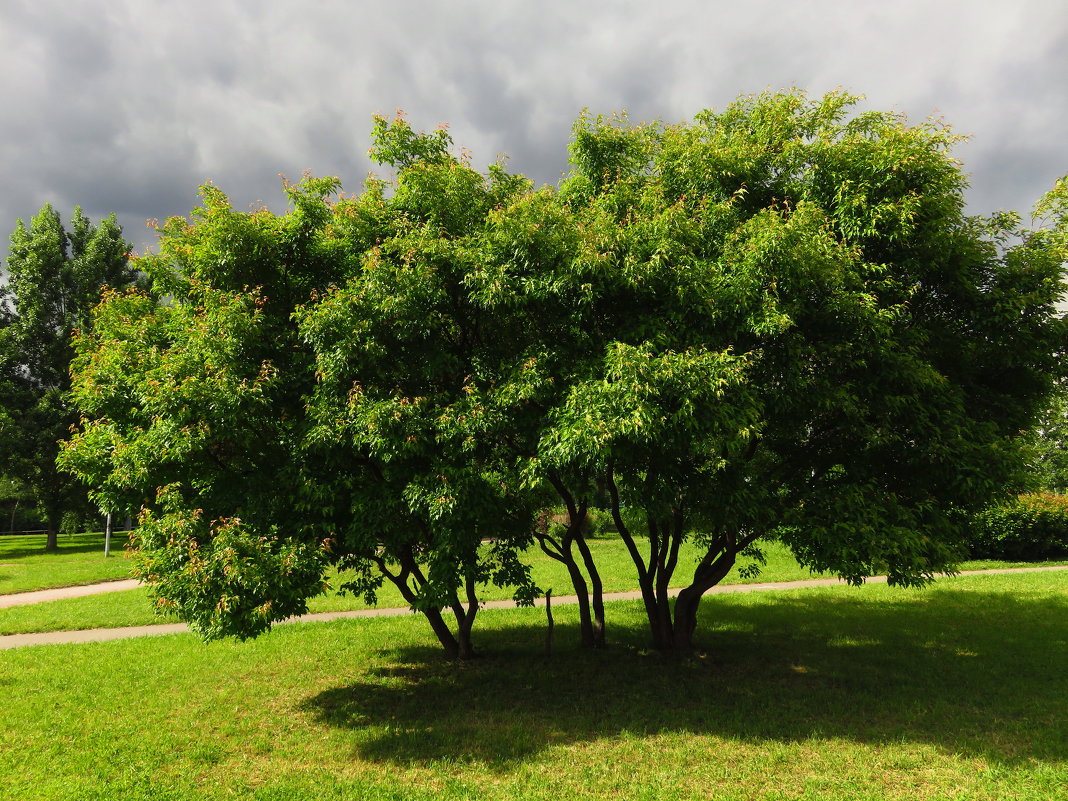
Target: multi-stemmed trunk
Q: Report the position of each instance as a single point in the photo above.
(457, 645)
(590, 596)
(709, 572)
(672, 626)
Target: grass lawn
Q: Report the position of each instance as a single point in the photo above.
(25, 566)
(133, 608)
(959, 691)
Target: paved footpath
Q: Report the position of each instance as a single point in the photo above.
(103, 635)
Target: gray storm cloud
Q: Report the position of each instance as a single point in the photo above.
(129, 106)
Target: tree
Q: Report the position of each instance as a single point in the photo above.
(54, 278)
(799, 335)
(202, 402)
(774, 322)
(1046, 447)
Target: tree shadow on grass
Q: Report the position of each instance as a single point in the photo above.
(984, 674)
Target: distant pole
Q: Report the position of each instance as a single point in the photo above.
(107, 537)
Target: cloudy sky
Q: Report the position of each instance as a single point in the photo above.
(127, 106)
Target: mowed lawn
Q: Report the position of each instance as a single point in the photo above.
(25, 566)
(956, 691)
(133, 607)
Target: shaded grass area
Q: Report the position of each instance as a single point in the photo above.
(25, 566)
(957, 691)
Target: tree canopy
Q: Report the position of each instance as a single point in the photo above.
(773, 322)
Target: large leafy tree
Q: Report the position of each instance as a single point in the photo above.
(773, 322)
(206, 403)
(54, 277)
(797, 333)
(1046, 447)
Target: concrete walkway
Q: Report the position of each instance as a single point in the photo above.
(103, 635)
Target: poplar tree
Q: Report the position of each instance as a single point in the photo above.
(54, 278)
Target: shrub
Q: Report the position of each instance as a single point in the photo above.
(599, 524)
(1031, 527)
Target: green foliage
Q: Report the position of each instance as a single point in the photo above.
(1046, 446)
(1030, 527)
(190, 391)
(772, 322)
(224, 577)
(292, 383)
(788, 328)
(55, 277)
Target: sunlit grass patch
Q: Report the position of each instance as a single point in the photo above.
(133, 608)
(25, 566)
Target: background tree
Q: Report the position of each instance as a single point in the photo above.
(55, 277)
(1046, 447)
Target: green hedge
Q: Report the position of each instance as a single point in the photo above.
(1031, 527)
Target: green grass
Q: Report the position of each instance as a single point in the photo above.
(959, 691)
(133, 608)
(25, 566)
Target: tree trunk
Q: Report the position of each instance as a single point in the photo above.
(689, 598)
(663, 597)
(583, 595)
(465, 619)
(685, 624)
(466, 650)
(591, 628)
(598, 617)
(52, 536)
(661, 634)
(597, 620)
(563, 555)
(454, 648)
(444, 634)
